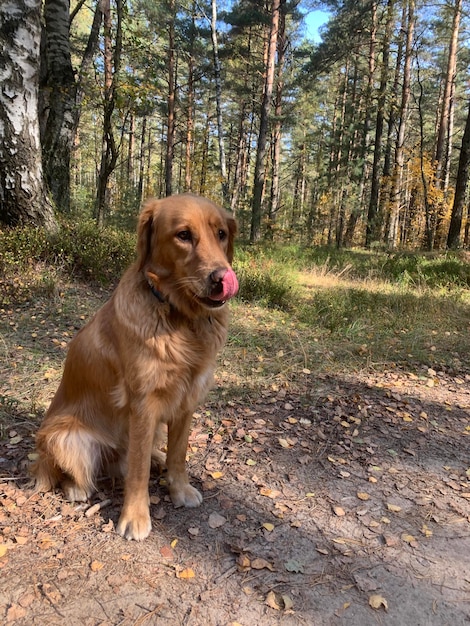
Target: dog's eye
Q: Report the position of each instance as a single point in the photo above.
(184, 235)
(222, 235)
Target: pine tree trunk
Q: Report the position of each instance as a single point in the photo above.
(260, 165)
(110, 150)
(23, 196)
(190, 107)
(463, 175)
(218, 103)
(394, 226)
(171, 105)
(140, 187)
(373, 215)
(276, 140)
(442, 145)
(58, 90)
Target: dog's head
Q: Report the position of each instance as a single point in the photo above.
(185, 249)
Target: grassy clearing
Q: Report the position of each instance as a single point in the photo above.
(300, 311)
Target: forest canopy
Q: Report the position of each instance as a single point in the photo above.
(360, 139)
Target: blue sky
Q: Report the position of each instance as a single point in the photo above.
(313, 21)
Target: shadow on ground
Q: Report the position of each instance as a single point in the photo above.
(315, 504)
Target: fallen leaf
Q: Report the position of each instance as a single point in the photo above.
(251, 462)
(284, 443)
(426, 531)
(409, 539)
(167, 552)
(95, 566)
(268, 526)
(288, 603)
(216, 520)
(377, 601)
(339, 511)
(15, 612)
(271, 600)
(393, 507)
(294, 566)
(3, 549)
(269, 493)
(363, 496)
(21, 540)
(243, 563)
(261, 564)
(217, 475)
(186, 574)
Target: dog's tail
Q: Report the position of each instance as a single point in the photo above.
(69, 455)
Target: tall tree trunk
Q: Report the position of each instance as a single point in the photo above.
(276, 134)
(260, 166)
(218, 103)
(58, 94)
(171, 101)
(443, 138)
(373, 215)
(23, 195)
(463, 174)
(131, 152)
(61, 94)
(241, 160)
(358, 212)
(386, 183)
(394, 231)
(189, 148)
(110, 150)
(429, 218)
(140, 187)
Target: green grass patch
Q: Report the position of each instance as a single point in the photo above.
(299, 309)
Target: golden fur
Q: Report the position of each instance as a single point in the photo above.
(145, 360)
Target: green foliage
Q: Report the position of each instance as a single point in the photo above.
(101, 254)
(268, 276)
(264, 278)
(81, 248)
(431, 271)
(19, 247)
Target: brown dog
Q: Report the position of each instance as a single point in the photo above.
(145, 360)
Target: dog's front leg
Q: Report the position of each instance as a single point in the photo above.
(181, 492)
(134, 522)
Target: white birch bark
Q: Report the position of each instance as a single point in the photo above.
(23, 197)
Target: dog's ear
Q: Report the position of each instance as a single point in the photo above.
(232, 231)
(144, 231)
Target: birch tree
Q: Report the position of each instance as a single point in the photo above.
(23, 196)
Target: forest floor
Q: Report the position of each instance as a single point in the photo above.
(331, 497)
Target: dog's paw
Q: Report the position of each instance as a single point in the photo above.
(74, 493)
(137, 527)
(185, 495)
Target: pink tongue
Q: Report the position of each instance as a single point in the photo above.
(229, 286)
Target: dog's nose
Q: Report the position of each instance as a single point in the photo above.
(217, 277)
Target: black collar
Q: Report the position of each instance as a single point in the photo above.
(154, 290)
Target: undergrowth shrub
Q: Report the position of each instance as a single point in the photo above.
(83, 249)
(100, 254)
(265, 281)
(21, 247)
(430, 271)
